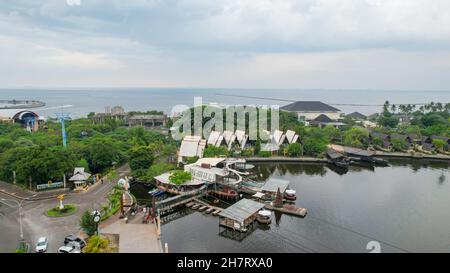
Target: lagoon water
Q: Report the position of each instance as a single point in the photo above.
(84, 101)
(405, 208)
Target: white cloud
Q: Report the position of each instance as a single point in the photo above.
(401, 44)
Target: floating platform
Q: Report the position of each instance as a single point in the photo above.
(289, 209)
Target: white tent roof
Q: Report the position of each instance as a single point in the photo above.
(229, 137)
(278, 136)
(213, 138)
(241, 137)
(192, 146)
(291, 136)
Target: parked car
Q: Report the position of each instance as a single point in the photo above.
(71, 247)
(73, 238)
(42, 245)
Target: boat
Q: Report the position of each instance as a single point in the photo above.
(380, 161)
(290, 195)
(196, 206)
(217, 211)
(190, 204)
(202, 208)
(226, 192)
(216, 201)
(208, 211)
(263, 217)
(337, 159)
(156, 192)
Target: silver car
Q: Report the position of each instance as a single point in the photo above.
(42, 245)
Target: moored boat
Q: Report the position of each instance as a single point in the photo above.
(290, 195)
(263, 217)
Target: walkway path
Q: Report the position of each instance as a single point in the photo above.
(135, 237)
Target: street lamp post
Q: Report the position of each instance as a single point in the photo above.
(19, 204)
(97, 217)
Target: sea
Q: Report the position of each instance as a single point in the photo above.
(79, 102)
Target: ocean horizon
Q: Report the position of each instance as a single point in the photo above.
(85, 100)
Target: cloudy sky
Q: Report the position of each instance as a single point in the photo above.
(335, 44)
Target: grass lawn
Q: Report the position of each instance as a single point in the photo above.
(69, 209)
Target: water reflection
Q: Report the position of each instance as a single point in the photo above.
(391, 205)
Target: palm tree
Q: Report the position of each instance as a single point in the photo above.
(394, 108)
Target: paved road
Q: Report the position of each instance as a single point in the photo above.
(36, 224)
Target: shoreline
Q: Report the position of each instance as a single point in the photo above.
(324, 160)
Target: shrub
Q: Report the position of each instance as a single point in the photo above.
(213, 151)
(97, 244)
(399, 144)
(264, 154)
(294, 149)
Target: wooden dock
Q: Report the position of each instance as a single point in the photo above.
(199, 205)
(289, 209)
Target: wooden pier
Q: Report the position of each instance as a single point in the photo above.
(288, 209)
(203, 207)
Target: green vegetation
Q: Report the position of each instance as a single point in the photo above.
(113, 205)
(87, 223)
(179, 177)
(157, 169)
(213, 151)
(294, 149)
(399, 144)
(39, 157)
(68, 209)
(97, 244)
(356, 137)
(439, 144)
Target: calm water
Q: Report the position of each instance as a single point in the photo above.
(84, 101)
(405, 207)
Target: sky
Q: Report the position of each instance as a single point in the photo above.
(330, 44)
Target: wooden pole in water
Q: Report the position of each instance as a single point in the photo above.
(14, 177)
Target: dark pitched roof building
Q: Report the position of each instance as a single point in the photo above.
(309, 106)
(380, 136)
(446, 139)
(357, 116)
(309, 110)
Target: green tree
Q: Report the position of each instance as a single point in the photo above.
(87, 223)
(5, 144)
(141, 157)
(102, 154)
(356, 137)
